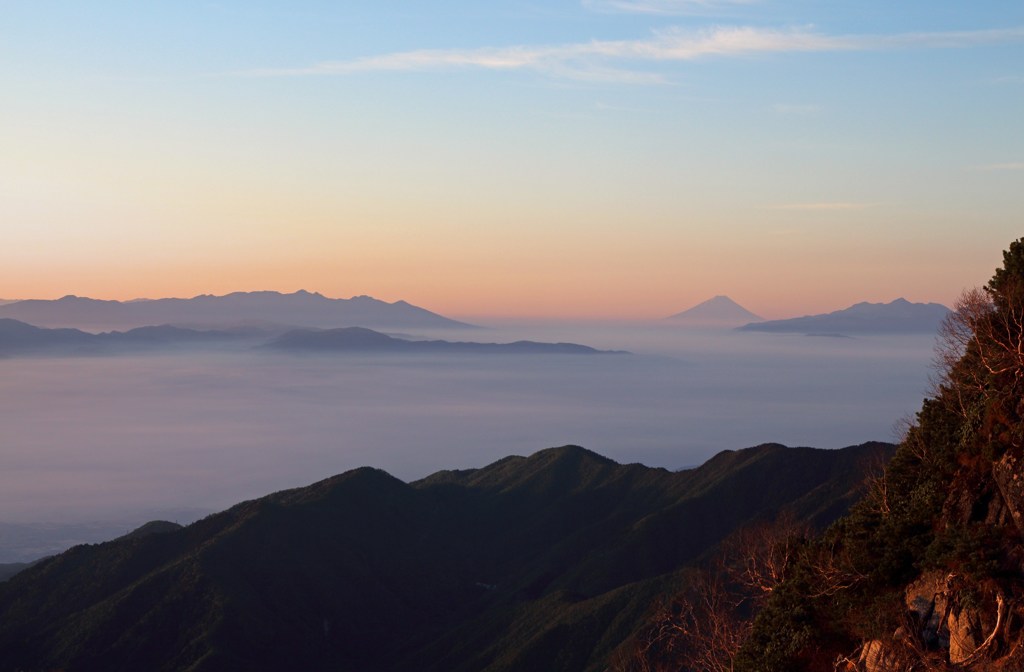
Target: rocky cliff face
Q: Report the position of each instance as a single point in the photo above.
(969, 613)
(961, 603)
(953, 621)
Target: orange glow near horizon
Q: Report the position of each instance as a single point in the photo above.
(472, 259)
(542, 293)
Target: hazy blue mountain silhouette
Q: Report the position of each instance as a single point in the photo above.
(301, 308)
(716, 311)
(543, 562)
(17, 337)
(897, 317)
(358, 339)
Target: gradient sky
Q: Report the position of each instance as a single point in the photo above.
(592, 158)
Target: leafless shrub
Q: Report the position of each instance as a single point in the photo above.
(703, 628)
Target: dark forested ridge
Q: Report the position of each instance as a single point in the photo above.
(9, 569)
(551, 561)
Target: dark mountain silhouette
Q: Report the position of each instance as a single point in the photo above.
(152, 527)
(301, 308)
(716, 311)
(541, 562)
(897, 317)
(359, 339)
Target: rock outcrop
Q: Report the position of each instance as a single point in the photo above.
(1008, 478)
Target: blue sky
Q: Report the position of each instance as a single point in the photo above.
(608, 158)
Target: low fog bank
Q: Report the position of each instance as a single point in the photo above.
(110, 439)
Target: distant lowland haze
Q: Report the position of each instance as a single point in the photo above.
(109, 440)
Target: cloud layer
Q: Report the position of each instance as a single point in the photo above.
(615, 59)
(665, 7)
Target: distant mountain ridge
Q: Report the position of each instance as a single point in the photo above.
(896, 317)
(20, 338)
(717, 311)
(359, 339)
(301, 308)
(17, 338)
(543, 562)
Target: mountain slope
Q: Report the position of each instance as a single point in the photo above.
(716, 311)
(550, 557)
(897, 317)
(9, 569)
(301, 308)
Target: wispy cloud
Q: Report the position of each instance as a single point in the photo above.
(665, 7)
(571, 62)
(994, 167)
(825, 206)
(610, 60)
(607, 107)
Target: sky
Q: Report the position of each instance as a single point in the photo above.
(577, 159)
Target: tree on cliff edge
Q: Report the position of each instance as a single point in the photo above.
(948, 513)
(980, 358)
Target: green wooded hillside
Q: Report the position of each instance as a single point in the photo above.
(551, 561)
